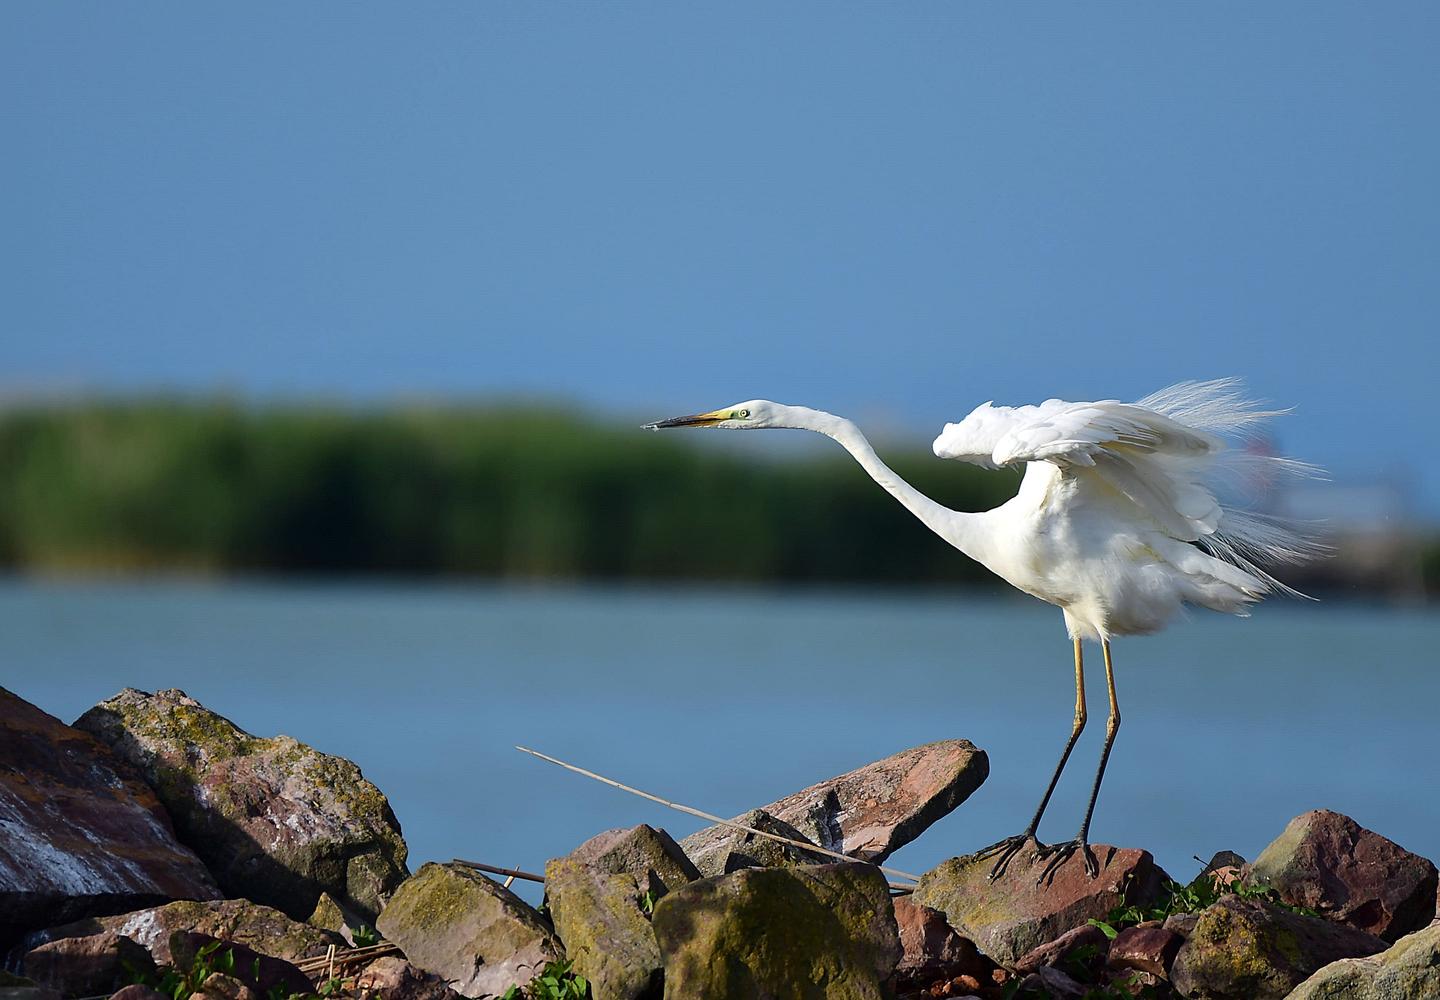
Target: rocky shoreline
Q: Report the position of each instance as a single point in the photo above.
(154, 849)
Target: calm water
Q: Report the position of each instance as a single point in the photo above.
(728, 699)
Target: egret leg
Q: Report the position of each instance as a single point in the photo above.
(1010, 846)
(1060, 852)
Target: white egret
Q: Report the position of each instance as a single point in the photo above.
(1116, 521)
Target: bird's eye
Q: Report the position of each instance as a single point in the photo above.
(742, 414)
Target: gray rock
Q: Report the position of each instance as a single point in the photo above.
(275, 821)
(1010, 915)
(822, 932)
(605, 932)
(28, 993)
(718, 850)
(81, 835)
(873, 811)
(651, 855)
(1245, 949)
(138, 992)
(1331, 864)
(86, 966)
(473, 933)
(1408, 970)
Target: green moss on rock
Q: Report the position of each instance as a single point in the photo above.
(809, 932)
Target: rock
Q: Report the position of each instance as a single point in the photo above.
(471, 932)
(605, 932)
(137, 992)
(274, 820)
(1182, 923)
(87, 966)
(651, 855)
(1012, 914)
(1329, 863)
(1085, 945)
(393, 978)
(806, 933)
(1245, 949)
(1144, 949)
(718, 850)
(1048, 981)
(261, 973)
(28, 993)
(873, 811)
(223, 987)
(930, 949)
(1408, 970)
(329, 915)
(81, 835)
(267, 931)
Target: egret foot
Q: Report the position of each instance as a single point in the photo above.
(1007, 849)
(1058, 854)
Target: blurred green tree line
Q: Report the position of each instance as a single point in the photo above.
(497, 492)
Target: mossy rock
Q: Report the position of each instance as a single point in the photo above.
(815, 932)
(717, 850)
(470, 931)
(274, 820)
(604, 929)
(1407, 970)
(1247, 949)
(652, 856)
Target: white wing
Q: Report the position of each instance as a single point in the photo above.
(1164, 453)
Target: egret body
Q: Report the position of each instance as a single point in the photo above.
(1116, 522)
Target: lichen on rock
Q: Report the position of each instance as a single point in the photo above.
(274, 820)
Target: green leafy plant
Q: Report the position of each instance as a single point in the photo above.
(364, 936)
(1198, 895)
(554, 982)
(647, 903)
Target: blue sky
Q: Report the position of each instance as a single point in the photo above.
(891, 211)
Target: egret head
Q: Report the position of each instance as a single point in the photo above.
(751, 415)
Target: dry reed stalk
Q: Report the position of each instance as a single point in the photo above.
(708, 816)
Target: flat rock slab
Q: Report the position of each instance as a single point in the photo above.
(1408, 970)
(871, 812)
(1329, 863)
(78, 834)
(1245, 949)
(396, 979)
(274, 820)
(820, 932)
(471, 932)
(262, 928)
(88, 966)
(1017, 912)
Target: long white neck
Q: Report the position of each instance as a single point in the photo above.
(959, 528)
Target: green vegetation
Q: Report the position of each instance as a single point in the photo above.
(519, 493)
(555, 982)
(181, 982)
(1198, 895)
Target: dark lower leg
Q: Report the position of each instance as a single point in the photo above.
(1010, 846)
(1060, 852)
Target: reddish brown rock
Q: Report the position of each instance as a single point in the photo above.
(81, 836)
(1086, 945)
(393, 978)
(1145, 949)
(223, 987)
(276, 821)
(875, 810)
(930, 949)
(1331, 864)
(1019, 911)
(86, 966)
